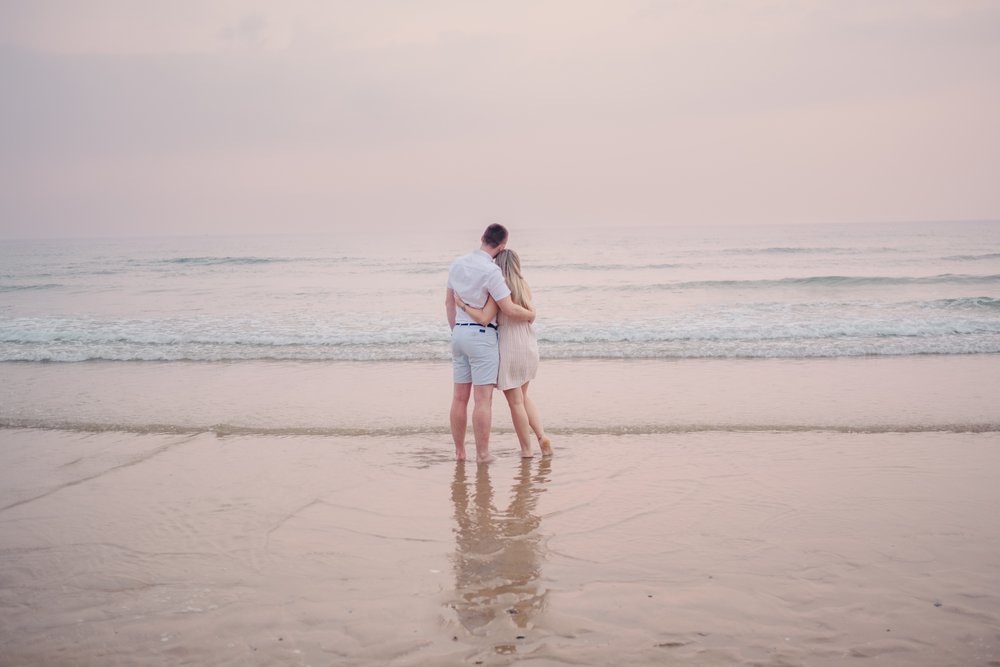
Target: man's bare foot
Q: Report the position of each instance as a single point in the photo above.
(527, 454)
(546, 446)
(489, 458)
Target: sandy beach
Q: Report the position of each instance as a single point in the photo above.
(775, 544)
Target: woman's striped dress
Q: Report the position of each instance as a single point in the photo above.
(518, 352)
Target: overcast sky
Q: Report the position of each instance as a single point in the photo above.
(208, 116)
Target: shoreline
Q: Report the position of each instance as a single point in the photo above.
(227, 430)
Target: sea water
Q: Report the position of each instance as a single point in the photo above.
(793, 292)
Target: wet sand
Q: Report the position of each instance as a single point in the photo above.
(708, 512)
(955, 393)
(707, 548)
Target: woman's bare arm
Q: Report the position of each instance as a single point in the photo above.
(482, 315)
(517, 312)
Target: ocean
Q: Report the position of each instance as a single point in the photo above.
(790, 292)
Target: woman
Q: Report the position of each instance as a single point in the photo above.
(518, 354)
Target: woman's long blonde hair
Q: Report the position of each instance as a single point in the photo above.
(510, 267)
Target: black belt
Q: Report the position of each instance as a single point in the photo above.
(474, 324)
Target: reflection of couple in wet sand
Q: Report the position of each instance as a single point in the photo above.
(489, 310)
(498, 553)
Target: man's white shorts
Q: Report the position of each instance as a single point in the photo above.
(475, 355)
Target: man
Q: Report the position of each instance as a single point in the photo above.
(475, 355)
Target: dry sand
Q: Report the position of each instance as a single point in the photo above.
(707, 548)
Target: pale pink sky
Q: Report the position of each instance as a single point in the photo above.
(210, 116)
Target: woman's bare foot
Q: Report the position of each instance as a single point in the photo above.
(460, 454)
(546, 446)
(489, 458)
(527, 454)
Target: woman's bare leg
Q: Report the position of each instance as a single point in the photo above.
(519, 417)
(535, 421)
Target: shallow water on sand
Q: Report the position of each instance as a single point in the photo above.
(957, 393)
(715, 548)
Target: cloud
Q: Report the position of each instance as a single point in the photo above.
(209, 113)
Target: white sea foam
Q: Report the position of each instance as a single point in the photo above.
(749, 292)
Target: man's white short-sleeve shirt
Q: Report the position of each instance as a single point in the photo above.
(473, 277)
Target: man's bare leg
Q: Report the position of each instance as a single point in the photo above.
(482, 420)
(460, 417)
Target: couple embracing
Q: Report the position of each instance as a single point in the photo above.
(493, 344)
